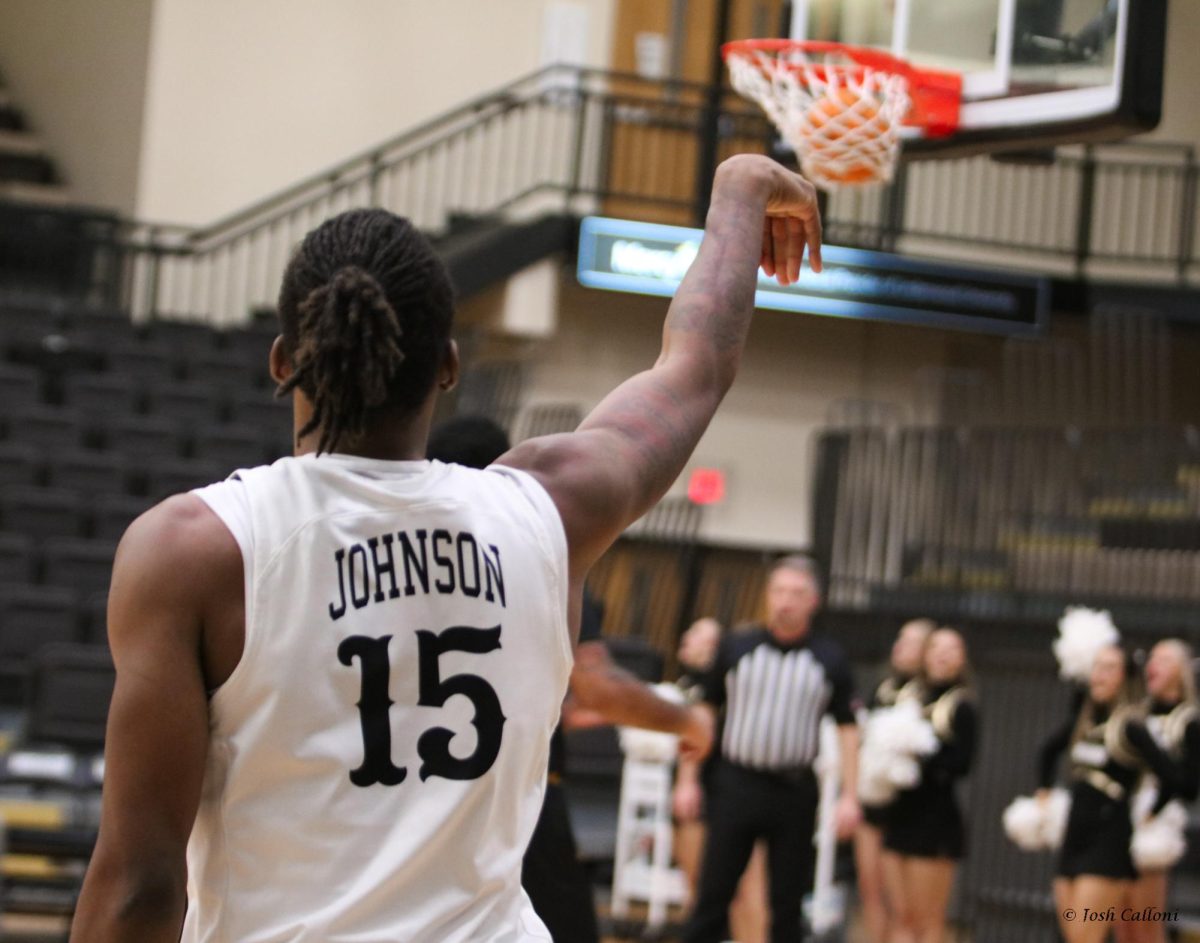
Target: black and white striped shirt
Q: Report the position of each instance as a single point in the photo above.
(774, 696)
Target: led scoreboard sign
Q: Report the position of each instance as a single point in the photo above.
(651, 259)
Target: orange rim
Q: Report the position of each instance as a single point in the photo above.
(936, 94)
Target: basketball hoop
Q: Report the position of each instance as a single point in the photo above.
(842, 112)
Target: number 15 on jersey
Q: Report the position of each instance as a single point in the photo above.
(433, 746)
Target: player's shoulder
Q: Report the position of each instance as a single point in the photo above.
(179, 537)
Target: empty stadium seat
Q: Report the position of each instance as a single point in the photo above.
(70, 687)
(149, 363)
(51, 430)
(20, 464)
(232, 446)
(113, 513)
(94, 617)
(84, 566)
(261, 409)
(108, 394)
(200, 403)
(89, 472)
(175, 476)
(183, 336)
(19, 386)
(17, 558)
(234, 368)
(42, 513)
(30, 617)
(143, 436)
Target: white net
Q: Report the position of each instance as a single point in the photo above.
(843, 122)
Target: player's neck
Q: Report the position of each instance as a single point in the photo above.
(396, 438)
(394, 442)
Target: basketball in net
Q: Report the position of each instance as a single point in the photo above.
(841, 108)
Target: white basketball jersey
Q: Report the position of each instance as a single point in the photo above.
(378, 757)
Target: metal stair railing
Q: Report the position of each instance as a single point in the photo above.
(574, 140)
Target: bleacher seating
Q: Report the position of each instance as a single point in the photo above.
(20, 464)
(89, 472)
(100, 419)
(41, 513)
(31, 617)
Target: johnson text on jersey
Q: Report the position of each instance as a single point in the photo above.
(406, 563)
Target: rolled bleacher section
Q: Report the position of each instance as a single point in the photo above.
(100, 419)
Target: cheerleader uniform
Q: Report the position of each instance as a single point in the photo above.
(926, 821)
(1106, 764)
(1176, 729)
(885, 695)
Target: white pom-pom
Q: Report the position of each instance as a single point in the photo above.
(892, 739)
(1023, 820)
(1158, 842)
(1057, 811)
(1082, 632)
(904, 772)
(1034, 824)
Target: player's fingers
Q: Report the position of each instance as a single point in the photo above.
(795, 248)
(813, 233)
(779, 242)
(767, 256)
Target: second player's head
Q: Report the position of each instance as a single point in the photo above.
(366, 309)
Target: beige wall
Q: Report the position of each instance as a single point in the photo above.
(795, 368)
(1181, 118)
(245, 98)
(77, 68)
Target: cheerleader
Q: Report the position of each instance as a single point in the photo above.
(905, 664)
(1109, 748)
(923, 835)
(1174, 721)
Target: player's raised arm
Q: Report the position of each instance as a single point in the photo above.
(629, 450)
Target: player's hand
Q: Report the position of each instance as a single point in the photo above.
(687, 800)
(792, 219)
(793, 222)
(847, 815)
(696, 738)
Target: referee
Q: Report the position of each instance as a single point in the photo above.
(773, 682)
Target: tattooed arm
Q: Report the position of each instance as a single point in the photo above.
(629, 450)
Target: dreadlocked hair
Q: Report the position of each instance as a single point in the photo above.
(366, 309)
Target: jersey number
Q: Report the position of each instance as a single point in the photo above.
(433, 746)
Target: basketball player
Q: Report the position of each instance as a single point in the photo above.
(337, 675)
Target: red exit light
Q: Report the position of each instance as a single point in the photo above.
(706, 486)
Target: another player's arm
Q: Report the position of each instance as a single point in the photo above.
(157, 740)
(600, 685)
(634, 444)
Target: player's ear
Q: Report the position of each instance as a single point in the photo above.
(448, 371)
(281, 363)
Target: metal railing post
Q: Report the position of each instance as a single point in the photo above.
(152, 276)
(894, 208)
(581, 110)
(1187, 217)
(1087, 199)
(710, 124)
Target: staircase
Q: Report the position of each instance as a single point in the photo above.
(27, 172)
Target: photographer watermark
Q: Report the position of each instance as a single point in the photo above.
(1125, 915)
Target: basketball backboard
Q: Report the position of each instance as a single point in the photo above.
(1035, 72)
